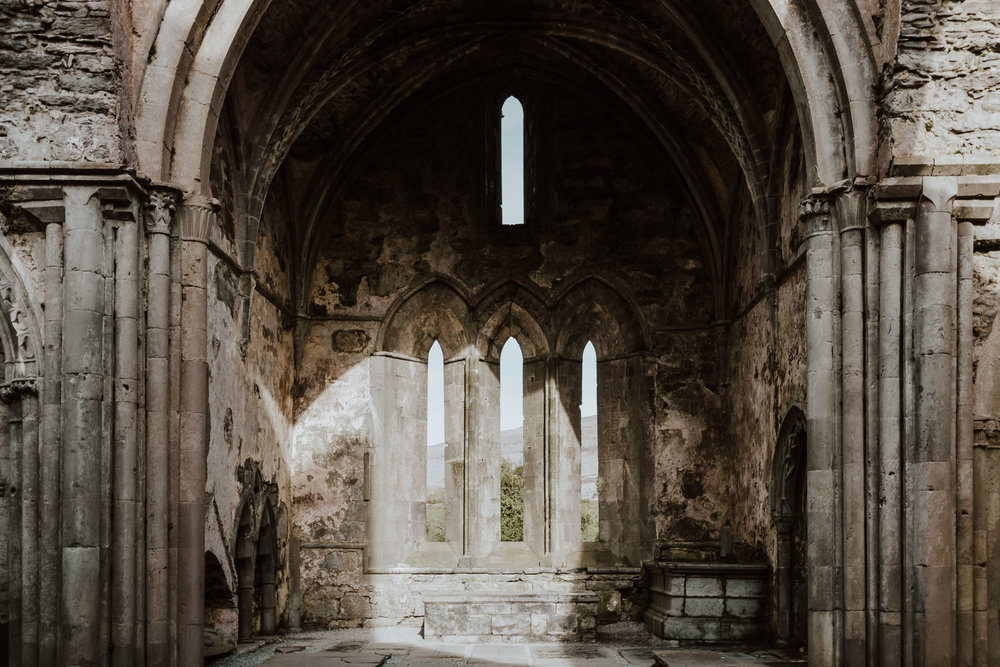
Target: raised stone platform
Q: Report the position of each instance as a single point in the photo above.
(511, 617)
(707, 602)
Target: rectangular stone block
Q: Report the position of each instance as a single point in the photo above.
(703, 587)
(743, 607)
(511, 624)
(563, 624)
(745, 588)
(703, 607)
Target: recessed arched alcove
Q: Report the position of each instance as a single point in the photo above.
(788, 509)
(660, 226)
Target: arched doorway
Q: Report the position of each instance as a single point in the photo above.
(265, 572)
(256, 571)
(245, 553)
(788, 496)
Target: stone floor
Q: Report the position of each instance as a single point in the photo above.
(404, 646)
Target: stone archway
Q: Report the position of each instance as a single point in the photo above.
(245, 553)
(788, 502)
(265, 572)
(256, 571)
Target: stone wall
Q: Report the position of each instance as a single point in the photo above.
(410, 213)
(942, 93)
(766, 360)
(252, 380)
(60, 82)
(337, 594)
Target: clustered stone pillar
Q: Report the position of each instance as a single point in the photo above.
(196, 217)
(892, 505)
(49, 555)
(108, 485)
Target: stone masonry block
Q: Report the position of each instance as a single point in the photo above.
(511, 624)
(703, 587)
(703, 606)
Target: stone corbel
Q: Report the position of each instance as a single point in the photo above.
(116, 204)
(9, 391)
(32, 207)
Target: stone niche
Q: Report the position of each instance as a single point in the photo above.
(707, 601)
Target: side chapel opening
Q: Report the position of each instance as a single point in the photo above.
(788, 499)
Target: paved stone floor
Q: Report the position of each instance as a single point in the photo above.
(404, 646)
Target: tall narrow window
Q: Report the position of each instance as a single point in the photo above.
(511, 442)
(512, 162)
(435, 445)
(589, 478)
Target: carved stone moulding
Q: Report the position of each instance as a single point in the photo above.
(977, 187)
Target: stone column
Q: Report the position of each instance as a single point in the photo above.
(930, 459)
(823, 433)
(784, 527)
(30, 474)
(890, 425)
(18, 654)
(125, 471)
(851, 218)
(159, 213)
(564, 459)
(51, 433)
(534, 446)
(83, 428)
(196, 218)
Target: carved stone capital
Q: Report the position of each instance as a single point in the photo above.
(814, 213)
(196, 217)
(17, 387)
(160, 211)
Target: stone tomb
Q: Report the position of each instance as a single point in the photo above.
(511, 617)
(707, 602)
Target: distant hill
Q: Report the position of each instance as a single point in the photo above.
(511, 448)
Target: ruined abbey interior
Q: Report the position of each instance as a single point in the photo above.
(248, 246)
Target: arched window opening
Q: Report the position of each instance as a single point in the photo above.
(511, 442)
(589, 478)
(512, 162)
(435, 507)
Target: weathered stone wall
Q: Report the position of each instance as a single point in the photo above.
(410, 213)
(338, 594)
(60, 76)
(942, 93)
(251, 386)
(986, 336)
(766, 369)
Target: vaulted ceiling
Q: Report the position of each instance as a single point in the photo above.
(317, 79)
